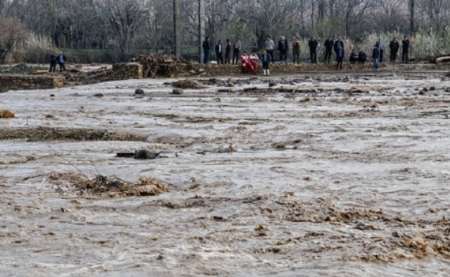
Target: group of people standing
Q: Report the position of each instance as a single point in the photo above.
(230, 54)
(59, 60)
(394, 47)
(313, 45)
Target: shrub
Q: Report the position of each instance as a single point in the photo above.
(12, 36)
(37, 49)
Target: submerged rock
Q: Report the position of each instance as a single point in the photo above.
(139, 155)
(177, 91)
(187, 84)
(139, 92)
(145, 155)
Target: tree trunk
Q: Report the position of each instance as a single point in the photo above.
(201, 28)
(176, 28)
(331, 5)
(313, 9)
(321, 10)
(302, 14)
(412, 19)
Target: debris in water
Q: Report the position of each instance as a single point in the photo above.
(139, 155)
(110, 186)
(177, 91)
(6, 114)
(187, 84)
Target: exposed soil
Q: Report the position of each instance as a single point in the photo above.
(75, 134)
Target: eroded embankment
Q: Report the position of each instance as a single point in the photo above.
(68, 134)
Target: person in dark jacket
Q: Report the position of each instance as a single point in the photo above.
(219, 52)
(237, 51)
(353, 57)
(339, 50)
(286, 50)
(376, 55)
(296, 50)
(329, 43)
(61, 59)
(313, 44)
(266, 59)
(53, 61)
(228, 48)
(394, 46)
(206, 49)
(283, 48)
(362, 57)
(381, 52)
(405, 50)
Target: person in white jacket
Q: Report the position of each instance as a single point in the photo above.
(270, 48)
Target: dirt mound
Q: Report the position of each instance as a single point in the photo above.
(119, 71)
(78, 77)
(109, 186)
(187, 84)
(75, 134)
(167, 66)
(6, 114)
(18, 69)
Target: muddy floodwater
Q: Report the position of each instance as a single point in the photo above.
(324, 175)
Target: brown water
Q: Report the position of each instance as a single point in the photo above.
(345, 177)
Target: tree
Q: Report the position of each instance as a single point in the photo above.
(412, 19)
(176, 28)
(12, 34)
(123, 18)
(201, 28)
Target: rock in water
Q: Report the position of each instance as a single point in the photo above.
(139, 91)
(177, 91)
(145, 155)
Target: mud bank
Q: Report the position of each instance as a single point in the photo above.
(311, 175)
(70, 134)
(15, 82)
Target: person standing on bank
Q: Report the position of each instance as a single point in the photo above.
(394, 46)
(286, 50)
(282, 49)
(376, 56)
(329, 43)
(296, 50)
(313, 44)
(270, 47)
(237, 52)
(266, 60)
(405, 50)
(219, 52)
(340, 53)
(61, 62)
(228, 48)
(53, 62)
(381, 46)
(206, 48)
